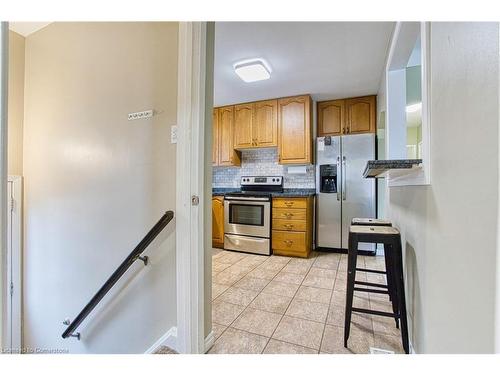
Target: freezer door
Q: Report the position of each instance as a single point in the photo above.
(328, 205)
(358, 193)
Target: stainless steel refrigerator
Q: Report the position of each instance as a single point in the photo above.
(342, 192)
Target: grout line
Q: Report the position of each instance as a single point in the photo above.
(329, 305)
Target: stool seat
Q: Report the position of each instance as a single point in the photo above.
(368, 229)
(370, 221)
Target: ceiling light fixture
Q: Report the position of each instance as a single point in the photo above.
(252, 70)
(413, 107)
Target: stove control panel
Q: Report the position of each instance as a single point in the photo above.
(261, 180)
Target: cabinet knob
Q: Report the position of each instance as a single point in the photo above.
(289, 204)
(288, 242)
(289, 226)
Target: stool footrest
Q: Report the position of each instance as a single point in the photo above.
(371, 284)
(375, 312)
(372, 271)
(368, 290)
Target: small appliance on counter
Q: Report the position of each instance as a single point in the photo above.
(247, 214)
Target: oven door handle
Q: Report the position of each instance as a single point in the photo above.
(246, 199)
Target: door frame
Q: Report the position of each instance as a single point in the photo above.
(194, 110)
(4, 59)
(14, 265)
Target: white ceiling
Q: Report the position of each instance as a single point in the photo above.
(27, 28)
(328, 60)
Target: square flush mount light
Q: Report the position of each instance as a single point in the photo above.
(252, 70)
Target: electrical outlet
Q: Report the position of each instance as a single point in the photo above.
(173, 134)
(140, 115)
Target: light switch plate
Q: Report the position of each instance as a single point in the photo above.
(173, 134)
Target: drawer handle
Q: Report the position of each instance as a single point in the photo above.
(288, 242)
(289, 204)
(288, 214)
(289, 226)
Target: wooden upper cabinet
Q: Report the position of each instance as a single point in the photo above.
(331, 117)
(294, 129)
(256, 124)
(347, 116)
(227, 155)
(360, 115)
(215, 137)
(243, 123)
(265, 123)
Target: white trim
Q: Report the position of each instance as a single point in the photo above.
(190, 181)
(209, 341)
(400, 48)
(168, 339)
(4, 60)
(14, 265)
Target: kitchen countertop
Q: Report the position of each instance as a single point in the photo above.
(286, 192)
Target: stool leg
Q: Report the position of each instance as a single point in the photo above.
(400, 287)
(351, 276)
(391, 285)
(387, 270)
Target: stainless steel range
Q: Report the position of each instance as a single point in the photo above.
(247, 215)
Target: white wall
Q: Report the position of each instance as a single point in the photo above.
(16, 103)
(449, 228)
(96, 183)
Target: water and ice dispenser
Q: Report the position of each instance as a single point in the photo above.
(328, 178)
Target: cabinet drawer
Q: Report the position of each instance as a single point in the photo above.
(289, 241)
(293, 225)
(290, 202)
(289, 213)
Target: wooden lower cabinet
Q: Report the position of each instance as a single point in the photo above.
(292, 227)
(218, 221)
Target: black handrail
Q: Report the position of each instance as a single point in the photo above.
(132, 257)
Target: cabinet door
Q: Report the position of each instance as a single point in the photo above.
(243, 119)
(331, 118)
(218, 221)
(294, 127)
(227, 155)
(265, 125)
(215, 136)
(360, 115)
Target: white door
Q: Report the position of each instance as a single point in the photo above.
(14, 264)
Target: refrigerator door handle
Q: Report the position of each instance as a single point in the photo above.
(343, 178)
(338, 170)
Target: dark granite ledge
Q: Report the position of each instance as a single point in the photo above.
(377, 168)
(290, 193)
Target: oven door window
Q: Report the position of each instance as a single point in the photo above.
(246, 214)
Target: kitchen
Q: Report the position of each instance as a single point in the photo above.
(290, 150)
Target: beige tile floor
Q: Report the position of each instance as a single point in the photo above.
(288, 305)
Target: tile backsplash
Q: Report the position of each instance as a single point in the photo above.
(262, 162)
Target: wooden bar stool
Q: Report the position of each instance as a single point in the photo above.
(391, 239)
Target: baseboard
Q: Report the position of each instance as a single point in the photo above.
(168, 339)
(209, 341)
